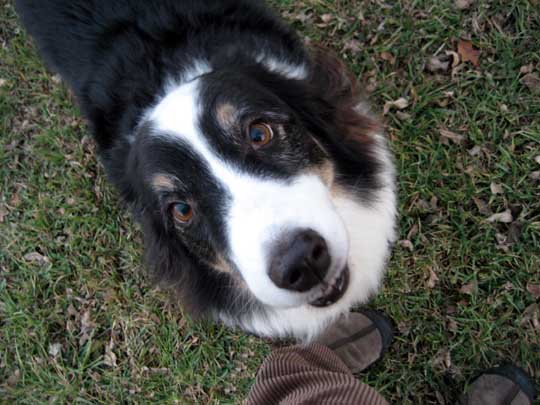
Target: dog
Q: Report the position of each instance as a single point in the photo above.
(264, 188)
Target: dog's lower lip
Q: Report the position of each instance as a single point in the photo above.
(336, 291)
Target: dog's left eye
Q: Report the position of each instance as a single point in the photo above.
(260, 134)
(182, 211)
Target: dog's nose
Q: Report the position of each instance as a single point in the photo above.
(300, 261)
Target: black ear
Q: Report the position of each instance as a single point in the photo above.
(201, 290)
(333, 113)
(169, 263)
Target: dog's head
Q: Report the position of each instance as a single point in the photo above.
(260, 190)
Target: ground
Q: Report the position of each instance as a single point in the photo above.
(458, 85)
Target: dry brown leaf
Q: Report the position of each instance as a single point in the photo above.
(455, 58)
(352, 45)
(55, 349)
(387, 56)
(463, 4)
(532, 81)
(532, 315)
(446, 134)
(526, 69)
(109, 359)
(435, 64)
(504, 217)
(406, 244)
(35, 257)
(468, 53)
(496, 188)
(468, 288)
(399, 104)
(482, 206)
(534, 289)
(432, 280)
(475, 150)
(326, 18)
(514, 232)
(14, 378)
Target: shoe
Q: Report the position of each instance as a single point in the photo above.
(359, 338)
(505, 385)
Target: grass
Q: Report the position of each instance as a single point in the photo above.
(80, 322)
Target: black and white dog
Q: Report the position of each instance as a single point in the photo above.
(265, 192)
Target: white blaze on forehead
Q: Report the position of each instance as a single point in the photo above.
(261, 209)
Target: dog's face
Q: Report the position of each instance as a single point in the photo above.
(241, 180)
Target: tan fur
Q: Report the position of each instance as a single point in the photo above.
(226, 115)
(326, 173)
(162, 182)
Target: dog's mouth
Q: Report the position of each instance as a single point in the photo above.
(332, 291)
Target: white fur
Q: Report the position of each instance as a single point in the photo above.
(262, 209)
(273, 64)
(370, 229)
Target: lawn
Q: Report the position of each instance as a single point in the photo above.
(80, 321)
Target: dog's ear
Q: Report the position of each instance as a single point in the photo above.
(340, 97)
(200, 290)
(336, 116)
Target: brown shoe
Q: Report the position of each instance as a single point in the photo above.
(359, 338)
(505, 385)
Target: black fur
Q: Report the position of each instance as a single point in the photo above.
(116, 55)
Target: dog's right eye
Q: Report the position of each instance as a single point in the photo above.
(182, 211)
(260, 134)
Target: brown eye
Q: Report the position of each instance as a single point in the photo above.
(182, 211)
(260, 134)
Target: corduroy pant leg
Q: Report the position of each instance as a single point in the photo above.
(311, 374)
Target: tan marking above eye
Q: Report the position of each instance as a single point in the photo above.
(162, 182)
(226, 115)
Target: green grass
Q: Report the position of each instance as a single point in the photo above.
(90, 297)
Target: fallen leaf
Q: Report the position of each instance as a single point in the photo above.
(87, 326)
(496, 188)
(35, 257)
(468, 53)
(3, 82)
(435, 64)
(526, 69)
(504, 217)
(468, 288)
(432, 280)
(537, 159)
(532, 315)
(109, 359)
(406, 244)
(399, 104)
(55, 349)
(352, 45)
(442, 359)
(475, 150)
(455, 58)
(463, 4)
(3, 213)
(14, 378)
(404, 327)
(446, 134)
(532, 81)
(514, 232)
(534, 289)
(326, 18)
(534, 175)
(387, 56)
